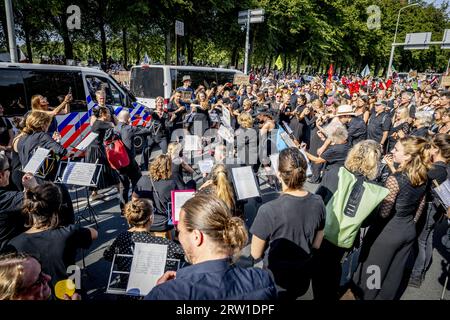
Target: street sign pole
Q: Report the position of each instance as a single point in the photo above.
(247, 43)
(11, 32)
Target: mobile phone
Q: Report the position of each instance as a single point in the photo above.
(70, 90)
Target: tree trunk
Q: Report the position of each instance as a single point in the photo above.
(168, 47)
(190, 50)
(289, 64)
(125, 49)
(26, 30)
(234, 55)
(103, 40)
(299, 61)
(5, 29)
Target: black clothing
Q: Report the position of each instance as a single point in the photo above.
(421, 132)
(357, 130)
(127, 134)
(335, 156)
(389, 242)
(29, 143)
(5, 125)
(289, 224)
(377, 125)
(12, 222)
(55, 248)
(405, 127)
(96, 153)
(160, 196)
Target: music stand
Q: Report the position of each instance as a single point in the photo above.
(118, 279)
(85, 175)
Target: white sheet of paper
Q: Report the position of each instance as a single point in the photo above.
(226, 134)
(226, 116)
(87, 141)
(245, 183)
(308, 169)
(180, 198)
(192, 143)
(274, 162)
(149, 262)
(36, 160)
(443, 192)
(287, 140)
(79, 173)
(206, 165)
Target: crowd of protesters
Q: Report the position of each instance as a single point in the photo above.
(376, 150)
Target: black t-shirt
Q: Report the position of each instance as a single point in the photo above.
(336, 154)
(55, 248)
(296, 219)
(12, 222)
(144, 189)
(377, 125)
(357, 130)
(5, 125)
(100, 127)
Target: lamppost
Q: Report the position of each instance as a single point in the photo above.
(395, 37)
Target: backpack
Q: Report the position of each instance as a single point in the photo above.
(116, 152)
(353, 201)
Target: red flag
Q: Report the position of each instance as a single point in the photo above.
(330, 72)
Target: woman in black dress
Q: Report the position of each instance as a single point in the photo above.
(400, 127)
(157, 186)
(333, 158)
(96, 153)
(317, 138)
(389, 242)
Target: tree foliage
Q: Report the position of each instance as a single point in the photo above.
(304, 32)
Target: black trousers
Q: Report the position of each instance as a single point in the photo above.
(384, 261)
(129, 175)
(150, 143)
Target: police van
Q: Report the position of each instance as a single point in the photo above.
(150, 81)
(19, 82)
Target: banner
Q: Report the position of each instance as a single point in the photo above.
(241, 79)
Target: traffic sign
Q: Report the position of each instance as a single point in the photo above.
(179, 28)
(416, 41)
(258, 19)
(253, 13)
(446, 40)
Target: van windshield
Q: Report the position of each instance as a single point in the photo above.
(147, 82)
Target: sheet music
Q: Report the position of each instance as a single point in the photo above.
(245, 183)
(192, 143)
(206, 165)
(179, 199)
(274, 162)
(226, 116)
(149, 262)
(443, 191)
(226, 134)
(288, 129)
(87, 141)
(308, 168)
(79, 173)
(36, 161)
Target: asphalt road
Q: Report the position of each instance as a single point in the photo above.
(96, 270)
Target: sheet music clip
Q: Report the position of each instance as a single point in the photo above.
(81, 174)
